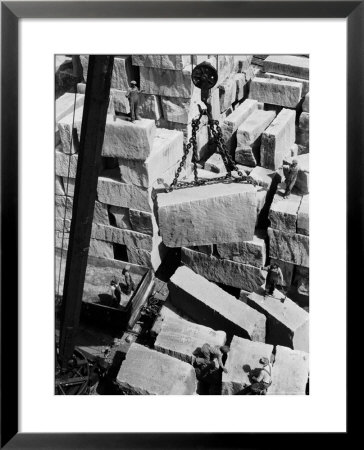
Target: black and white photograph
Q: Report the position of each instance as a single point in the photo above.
(182, 224)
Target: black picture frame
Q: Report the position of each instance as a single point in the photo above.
(11, 12)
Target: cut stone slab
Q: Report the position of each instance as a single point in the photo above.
(65, 130)
(230, 273)
(306, 103)
(151, 259)
(209, 305)
(262, 176)
(148, 372)
(176, 109)
(290, 372)
(168, 83)
(282, 93)
(69, 186)
(170, 62)
(289, 247)
(293, 66)
(66, 103)
(287, 323)
(66, 163)
(248, 252)
(63, 206)
(277, 139)
(253, 126)
(244, 356)
(303, 218)
(207, 214)
(99, 249)
(59, 186)
(115, 193)
(121, 103)
(277, 76)
(246, 154)
(167, 152)
(180, 338)
(143, 222)
(101, 215)
(283, 212)
(227, 93)
(234, 120)
(121, 217)
(215, 164)
(241, 86)
(150, 107)
(126, 139)
(129, 238)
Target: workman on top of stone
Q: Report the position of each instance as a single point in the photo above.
(115, 293)
(129, 284)
(290, 173)
(274, 278)
(209, 358)
(263, 380)
(133, 95)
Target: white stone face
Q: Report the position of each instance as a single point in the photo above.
(66, 103)
(126, 139)
(303, 217)
(275, 92)
(69, 144)
(277, 76)
(254, 126)
(278, 139)
(306, 103)
(121, 103)
(69, 186)
(227, 91)
(242, 62)
(150, 107)
(209, 305)
(63, 206)
(241, 85)
(169, 83)
(59, 186)
(283, 212)
(289, 247)
(290, 372)
(225, 271)
(143, 222)
(293, 66)
(249, 252)
(148, 372)
(263, 176)
(244, 354)
(101, 215)
(121, 217)
(170, 62)
(207, 214)
(66, 164)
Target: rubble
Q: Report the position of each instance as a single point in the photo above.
(211, 306)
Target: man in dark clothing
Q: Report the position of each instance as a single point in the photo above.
(129, 285)
(274, 278)
(133, 97)
(262, 382)
(290, 172)
(115, 293)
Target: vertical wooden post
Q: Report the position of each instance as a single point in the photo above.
(89, 160)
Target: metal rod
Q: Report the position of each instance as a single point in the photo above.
(89, 160)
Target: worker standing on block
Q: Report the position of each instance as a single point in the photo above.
(274, 278)
(129, 284)
(115, 293)
(290, 173)
(263, 380)
(208, 354)
(133, 97)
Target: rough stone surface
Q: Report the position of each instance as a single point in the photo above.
(215, 164)
(209, 305)
(231, 273)
(167, 151)
(242, 62)
(115, 193)
(289, 247)
(290, 372)
(275, 92)
(263, 176)
(170, 62)
(276, 76)
(69, 186)
(303, 177)
(63, 206)
(306, 103)
(99, 249)
(283, 213)
(253, 127)
(234, 120)
(287, 323)
(244, 354)
(121, 217)
(126, 139)
(207, 214)
(121, 103)
(241, 86)
(180, 338)
(66, 163)
(66, 103)
(277, 139)
(246, 154)
(249, 252)
(148, 372)
(303, 218)
(58, 188)
(227, 93)
(293, 66)
(69, 144)
(143, 222)
(168, 83)
(151, 259)
(101, 215)
(207, 249)
(150, 107)
(121, 236)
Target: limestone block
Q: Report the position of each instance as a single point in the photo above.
(262, 176)
(120, 217)
(253, 126)
(180, 338)
(290, 372)
(62, 224)
(115, 193)
(101, 215)
(151, 259)
(59, 186)
(306, 103)
(231, 124)
(215, 164)
(287, 323)
(207, 214)
(275, 92)
(143, 222)
(66, 103)
(242, 62)
(277, 139)
(99, 249)
(224, 63)
(304, 122)
(293, 66)
(69, 144)
(303, 177)
(63, 206)
(283, 213)
(148, 372)
(302, 280)
(227, 92)
(150, 107)
(121, 103)
(170, 62)
(176, 109)
(248, 252)
(246, 155)
(124, 139)
(276, 76)
(289, 247)
(241, 86)
(66, 164)
(287, 270)
(167, 152)
(69, 186)
(231, 273)
(168, 83)
(244, 356)
(117, 235)
(209, 305)
(303, 217)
